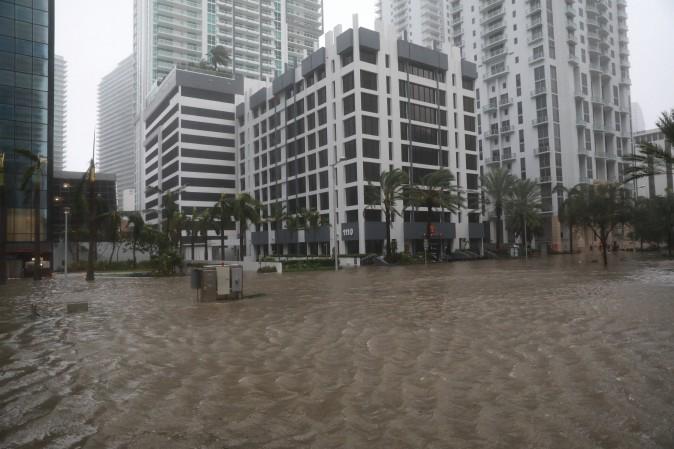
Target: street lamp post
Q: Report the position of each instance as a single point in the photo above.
(66, 213)
(334, 174)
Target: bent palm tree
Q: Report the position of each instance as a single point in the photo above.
(245, 209)
(436, 190)
(32, 178)
(387, 194)
(497, 184)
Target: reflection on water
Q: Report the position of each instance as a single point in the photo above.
(555, 354)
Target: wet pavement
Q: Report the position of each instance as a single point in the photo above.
(558, 353)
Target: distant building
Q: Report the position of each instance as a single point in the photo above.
(638, 122)
(553, 87)
(189, 146)
(65, 186)
(321, 134)
(116, 129)
(60, 112)
(657, 185)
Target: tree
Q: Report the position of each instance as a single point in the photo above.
(193, 229)
(219, 56)
(497, 185)
(652, 220)
(436, 190)
(523, 208)
(602, 207)
(32, 185)
(652, 159)
(387, 194)
(223, 215)
(568, 213)
(136, 225)
(245, 209)
(313, 220)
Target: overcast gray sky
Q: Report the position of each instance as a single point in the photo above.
(94, 35)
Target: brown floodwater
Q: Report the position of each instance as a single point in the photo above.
(558, 353)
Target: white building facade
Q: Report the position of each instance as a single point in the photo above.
(116, 130)
(553, 88)
(60, 112)
(189, 148)
(321, 134)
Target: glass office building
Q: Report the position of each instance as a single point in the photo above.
(26, 116)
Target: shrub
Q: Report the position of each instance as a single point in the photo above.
(267, 269)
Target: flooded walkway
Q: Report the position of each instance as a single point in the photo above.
(554, 354)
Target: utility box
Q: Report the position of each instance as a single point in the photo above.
(218, 282)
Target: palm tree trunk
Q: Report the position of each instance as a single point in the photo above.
(206, 245)
(571, 237)
(242, 239)
(92, 230)
(428, 231)
(134, 252)
(192, 243)
(222, 242)
(388, 234)
(499, 228)
(3, 234)
(37, 266)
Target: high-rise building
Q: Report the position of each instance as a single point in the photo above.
(553, 86)
(638, 122)
(26, 123)
(321, 134)
(262, 39)
(116, 129)
(420, 21)
(60, 112)
(261, 36)
(189, 146)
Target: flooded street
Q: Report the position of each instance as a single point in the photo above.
(554, 354)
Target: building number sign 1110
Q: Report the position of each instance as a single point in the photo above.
(348, 232)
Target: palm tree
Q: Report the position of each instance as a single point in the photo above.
(523, 208)
(93, 218)
(193, 225)
(32, 183)
(219, 56)
(313, 220)
(387, 194)
(568, 212)
(653, 160)
(136, 223)
(497, 184)
(222, 212)
(275, 217)
(436, 190)
(205, 224)
(245, 209)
